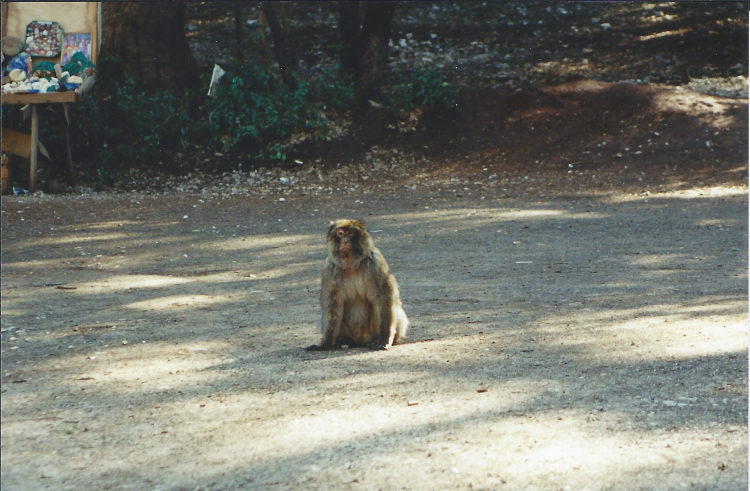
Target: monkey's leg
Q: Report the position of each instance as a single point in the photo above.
(384, 318)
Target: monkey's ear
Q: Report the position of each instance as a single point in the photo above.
(331, 224)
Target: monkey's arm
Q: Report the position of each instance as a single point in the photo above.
(333, 310)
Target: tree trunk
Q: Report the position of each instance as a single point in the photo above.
(149, 38)
(284, 53)
(349, 33)
(374, 57)
(239, 32)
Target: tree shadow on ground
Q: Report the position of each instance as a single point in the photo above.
(618, 315)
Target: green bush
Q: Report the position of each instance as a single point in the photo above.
(138, 127)
(245, 107)
(336, 89)
(129, 129)
(117, 126)
(427, 87)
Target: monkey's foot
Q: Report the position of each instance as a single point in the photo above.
(321, 347)
(378, 346)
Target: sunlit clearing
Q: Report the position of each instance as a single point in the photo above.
(716, 222)
(116, 224)
(488, 215)
(290, 269)
(657, 260)
(180, 302)
(69, 239)
(382, 416)
(36, 264)
(268, 242)
(663, 330)
(525, 445)
(694, 193)
(710, 109)
(7, 313)
(123, 282)
(675, 32)
(151, 368)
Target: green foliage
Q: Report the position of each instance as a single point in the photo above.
(244, 106)
(138, 127)
(427, 87)
(130, 129)
(117, 126)
(337, 89)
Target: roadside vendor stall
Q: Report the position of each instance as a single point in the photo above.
(49, 57)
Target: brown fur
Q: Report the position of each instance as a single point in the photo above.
(359, 296)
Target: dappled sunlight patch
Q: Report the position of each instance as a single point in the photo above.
(287, 270)
(136, 281)
(481, 216)
(704, 192)
(347, 419)
(123, 282)
(658, 260)
(152, 367)
(717, 222)
(10, 312)
(268, 242)
(179, 302)
(663, 330)
(575, 454)
(37, 265)
(661, 34)
(711, 110)
(83, 237)
(119, 223)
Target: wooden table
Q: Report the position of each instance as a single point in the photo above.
(60, 99)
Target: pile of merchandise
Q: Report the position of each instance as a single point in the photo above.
(43, 39)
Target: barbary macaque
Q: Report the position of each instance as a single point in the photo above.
(359, 296)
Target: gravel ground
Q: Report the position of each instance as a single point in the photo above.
(595, 341)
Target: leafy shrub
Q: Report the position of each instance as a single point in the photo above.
(129, 129)
(427, 87)
(337, 89)
(244, 106)
(137, 127)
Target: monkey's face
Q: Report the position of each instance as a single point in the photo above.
(348, 242)
(348, 239)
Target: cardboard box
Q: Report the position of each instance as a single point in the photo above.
(18, 143)
(6, 174)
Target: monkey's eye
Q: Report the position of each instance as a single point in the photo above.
(340, 233)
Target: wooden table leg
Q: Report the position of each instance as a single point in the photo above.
(34, 148)
(62, 111)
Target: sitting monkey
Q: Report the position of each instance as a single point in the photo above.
(359, 296)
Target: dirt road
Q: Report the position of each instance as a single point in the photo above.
(589, 341)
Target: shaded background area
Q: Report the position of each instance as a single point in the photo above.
(500, 58)
(513, 44)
